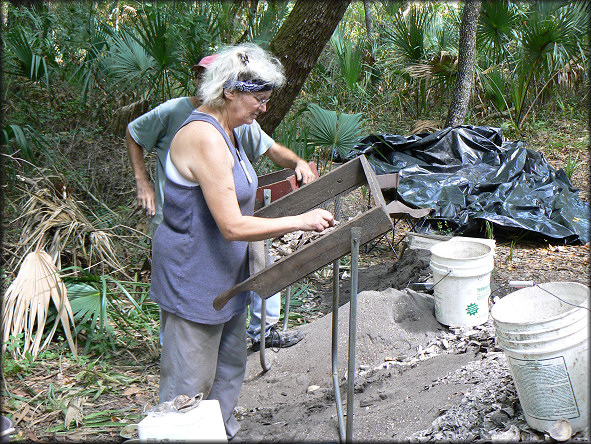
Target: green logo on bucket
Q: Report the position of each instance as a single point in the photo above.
(472, 309)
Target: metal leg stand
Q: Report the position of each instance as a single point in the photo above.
(264, 364)
(335, 342)
(355, 236)
(286, 308)
(346, 435)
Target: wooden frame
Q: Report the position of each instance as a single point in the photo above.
(280, 183)
(328, 248)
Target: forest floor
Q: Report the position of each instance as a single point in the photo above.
(415, 378)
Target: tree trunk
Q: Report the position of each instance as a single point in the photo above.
(117, 16)
(368, 21)
(298, 44)
(458, 107)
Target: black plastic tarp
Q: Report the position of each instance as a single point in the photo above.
(468, 175)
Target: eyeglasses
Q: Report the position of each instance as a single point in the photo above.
(261, 101)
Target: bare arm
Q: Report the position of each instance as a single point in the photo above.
(286, 158)
(145, 190)
(201, 155)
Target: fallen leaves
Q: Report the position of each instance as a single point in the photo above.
(74, 412)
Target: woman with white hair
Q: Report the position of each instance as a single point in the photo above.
(200, 249)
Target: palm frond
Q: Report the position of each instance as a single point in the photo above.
(334, 132)
(97, 303)
(264, 22)
(91, 66)
(152, 33)
(323, 126)
(223, 19)
(26, 139)
(494, 84)
(25, 61)
(552, 36)
(128, 64)
(349, 57)
(27, 300)
(60, 219)
(127, 113)
(496, 23)
(408, 35)
(443, 66)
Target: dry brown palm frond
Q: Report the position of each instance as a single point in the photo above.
(422, 126)
(100, 244)
(443, 64)
(127, 113)
(420, 71)
(74, 412)
(572, 72)
(61, 219)
(26, 303)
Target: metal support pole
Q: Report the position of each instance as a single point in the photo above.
(335, 346)
(286, 308)
(335, 333)
(264, 364)
(355, 238)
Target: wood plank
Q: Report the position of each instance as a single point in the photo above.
(389, 181)
(398, 209)
(342, 179)
(317, 254)
(276, 176)
(372, 182)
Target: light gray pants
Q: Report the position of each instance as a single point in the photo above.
(204, 358)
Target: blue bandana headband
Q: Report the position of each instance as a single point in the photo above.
(248, 85)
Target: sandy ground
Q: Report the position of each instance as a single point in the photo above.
(294, 401)
(415, 379)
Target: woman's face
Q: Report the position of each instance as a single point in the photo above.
(249, 105)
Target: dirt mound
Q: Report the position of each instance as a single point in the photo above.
(392, 326)
(389, 324)
(413, 266)
(415, 380)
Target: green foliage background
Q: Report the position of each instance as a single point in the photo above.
(74, 74)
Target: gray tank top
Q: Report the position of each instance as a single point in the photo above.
(192, 263)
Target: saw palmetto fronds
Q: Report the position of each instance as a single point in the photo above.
(100, 302)
(335, 133)
(27, 300)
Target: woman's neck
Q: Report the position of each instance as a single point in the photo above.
(195, 101)
(220, 115)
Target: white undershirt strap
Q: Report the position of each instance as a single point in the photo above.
(173, 174)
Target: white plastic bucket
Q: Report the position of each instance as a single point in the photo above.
(462, 275)
(204, 423)
(546, 342)
(490, 242)
(6, 429)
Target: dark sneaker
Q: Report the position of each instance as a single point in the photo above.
(279, 339)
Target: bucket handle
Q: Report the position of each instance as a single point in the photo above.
(561, 300)
(521, 284)
(9, 431)
(449, 271)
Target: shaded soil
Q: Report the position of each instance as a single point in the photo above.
(414, 378)
(406, 379)
(294, 401)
